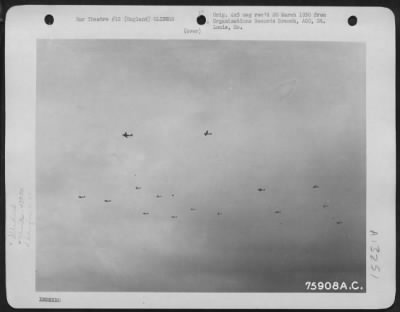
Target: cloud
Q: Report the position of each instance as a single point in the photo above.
(285, 122)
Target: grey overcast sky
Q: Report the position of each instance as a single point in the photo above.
(284, 116)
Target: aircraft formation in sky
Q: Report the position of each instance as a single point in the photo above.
(219, 213)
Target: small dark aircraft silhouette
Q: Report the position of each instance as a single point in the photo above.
(174, 217)
(107, 200)
(339, 222)
(325, 205)
(138, 187)
(219, 213)
(172, 195)
(81, 196)
(126, 135)
(192, 209)
(260, 189)
(207, 133)
(158, 196)
(145, 213)
(277, 211)
(315, 186)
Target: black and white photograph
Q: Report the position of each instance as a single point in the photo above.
(200, 157)
(214, 166)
